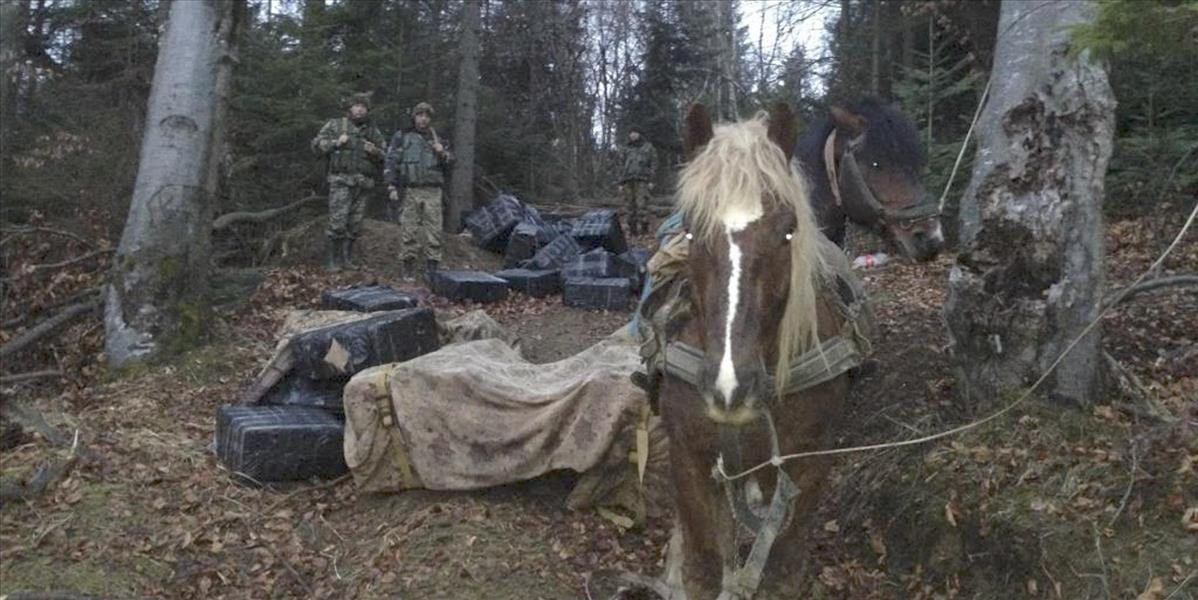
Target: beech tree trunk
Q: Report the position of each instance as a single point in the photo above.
(1030, 274)
(461, 194)
(157, 300)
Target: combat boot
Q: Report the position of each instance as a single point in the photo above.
(332, 256)
(347, 253)
(409, 269)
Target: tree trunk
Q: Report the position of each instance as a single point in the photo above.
(311, 27)
(908, 37)
(875, 49)
(461, 195)
(931, 76)
(12, 34)
(1030, 274)
(728, 63)
(430, 85)
(218, 167)
(157, 300)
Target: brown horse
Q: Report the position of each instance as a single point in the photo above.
(866, 163)
(757, 280)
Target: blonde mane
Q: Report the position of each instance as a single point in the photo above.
(742, 169)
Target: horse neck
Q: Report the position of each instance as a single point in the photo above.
(828, 214)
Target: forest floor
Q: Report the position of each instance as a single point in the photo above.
(1046, 502)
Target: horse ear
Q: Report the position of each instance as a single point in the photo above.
(848, 121)
(698, 130)
(782, 128)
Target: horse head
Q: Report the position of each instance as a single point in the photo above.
(753, 258)
(875, 165)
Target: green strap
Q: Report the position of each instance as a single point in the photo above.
(834, 357)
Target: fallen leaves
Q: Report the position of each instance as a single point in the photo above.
(1154, 591)
(1189, 521)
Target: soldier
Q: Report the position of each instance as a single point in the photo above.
(354, 148)
(417, 161)
(639, 164)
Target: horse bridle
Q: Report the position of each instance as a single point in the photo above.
(854, 195)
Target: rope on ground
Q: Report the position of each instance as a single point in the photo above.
(777, 461)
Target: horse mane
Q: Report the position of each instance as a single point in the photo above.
(739, 169)
(892, 136)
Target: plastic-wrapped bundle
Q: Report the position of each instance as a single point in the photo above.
(339, 351)
(524, 242)
(600, 229)
(469, 285)
(600, 264)
(492, 224)
(534, 283)
(606, 294)
(280, 443)
(558, 253)
(372, 298)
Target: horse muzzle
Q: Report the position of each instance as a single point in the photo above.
(921, 243)
(738, 404)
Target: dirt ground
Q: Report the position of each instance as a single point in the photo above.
(147, 511)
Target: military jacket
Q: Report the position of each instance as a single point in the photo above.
(639, 162)
(352, 158)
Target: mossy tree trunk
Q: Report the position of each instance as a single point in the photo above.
(1030, 274)
(158, 296)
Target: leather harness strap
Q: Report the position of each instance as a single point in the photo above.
(854, 195)
(830, 166)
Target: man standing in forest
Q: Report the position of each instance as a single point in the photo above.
(354, 148)
(417, 160)
(639, 164)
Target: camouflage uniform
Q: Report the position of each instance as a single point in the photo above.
(351, 173)
(638, 165)
(414, 167)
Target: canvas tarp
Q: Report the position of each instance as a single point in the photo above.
(477, 414)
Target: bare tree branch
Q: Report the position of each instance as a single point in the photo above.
(48, 326)
(30, 376)
(70, 261)
(19, 231)
(228, 219)
(1122, 295)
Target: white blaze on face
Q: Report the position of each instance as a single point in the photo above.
(734, 222)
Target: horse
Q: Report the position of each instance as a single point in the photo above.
(865, 164)
(757, 273)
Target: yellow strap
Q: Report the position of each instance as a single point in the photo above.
(382, 394)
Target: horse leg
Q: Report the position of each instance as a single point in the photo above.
(789, 559)
(706, 527)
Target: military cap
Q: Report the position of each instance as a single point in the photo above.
(360, 98)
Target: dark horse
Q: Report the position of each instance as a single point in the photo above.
(865, 163)
(758, 273)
